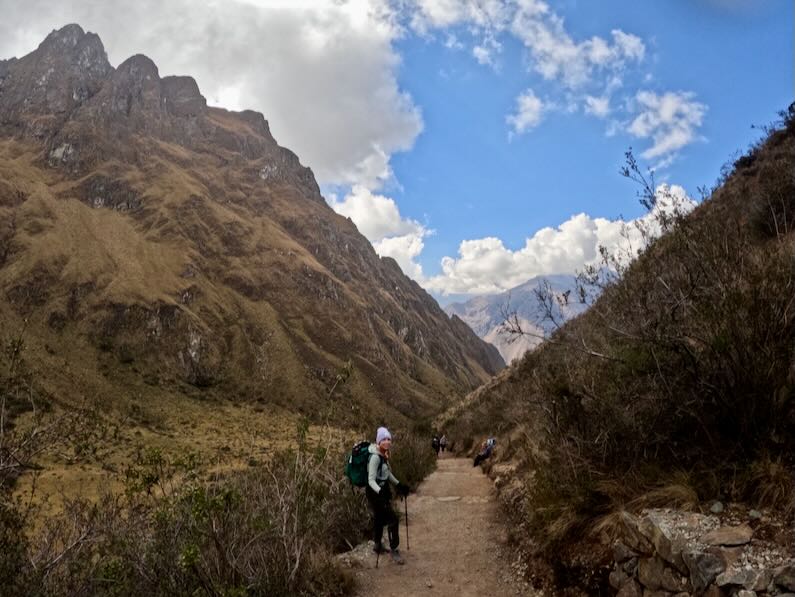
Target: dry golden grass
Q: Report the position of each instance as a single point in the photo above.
(280, 318)
(771, 484)
(676, 492)
(225, 437)
(142, 260)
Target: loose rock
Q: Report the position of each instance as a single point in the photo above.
(739, 535)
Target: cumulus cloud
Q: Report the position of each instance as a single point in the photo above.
(379, 219)
(529, 110)
(376, 216)
(405, 250)
(670, 120)
(322, 72)
(486, 265)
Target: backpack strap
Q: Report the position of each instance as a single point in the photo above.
(380, 463)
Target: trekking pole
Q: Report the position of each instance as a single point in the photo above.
(406, 504)
(377, 557)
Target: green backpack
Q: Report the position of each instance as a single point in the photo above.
(356, 464)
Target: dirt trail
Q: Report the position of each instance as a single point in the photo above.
(457, 546)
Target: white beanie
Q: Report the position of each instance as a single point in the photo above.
(381, 435)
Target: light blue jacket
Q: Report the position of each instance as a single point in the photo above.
(378, 471)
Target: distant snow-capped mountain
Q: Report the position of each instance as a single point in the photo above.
(537, 316)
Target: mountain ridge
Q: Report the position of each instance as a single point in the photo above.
(177, 246)
(487, 314)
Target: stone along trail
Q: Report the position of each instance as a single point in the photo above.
(457, 546)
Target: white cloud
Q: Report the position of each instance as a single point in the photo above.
(323, 72)
(452, 43)
(670, 120)
(376, 216)
(557, 56)
(598, 106)
(437, 14)
(482, 55)
(583, 71)
(379, 219)
(486, 265)
(485, 53)
(440, 14)
(629, 46)
(529, 110)
(403, 249)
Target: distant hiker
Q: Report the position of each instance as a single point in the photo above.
(379, 494)
(486, 448)
(435, 444)
(443, 442)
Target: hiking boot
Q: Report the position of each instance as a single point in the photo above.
(379, 548)
(396, 557)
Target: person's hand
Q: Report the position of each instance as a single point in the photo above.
(402, 489)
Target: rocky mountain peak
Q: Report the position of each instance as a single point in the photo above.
(39, 91)
(182, 97)
(227, 270)
(67, 36)
(75, 50)
(541, 305)
(138, 68)
(134, 86)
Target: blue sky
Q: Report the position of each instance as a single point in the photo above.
(472, 176)
(477, 142)
(465, 178)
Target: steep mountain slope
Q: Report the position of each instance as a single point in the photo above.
(540, 305)
(674, 389)
(157, 246)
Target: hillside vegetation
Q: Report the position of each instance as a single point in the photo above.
(190, 339)
(677, 385)
(89, 506)
(158, 250)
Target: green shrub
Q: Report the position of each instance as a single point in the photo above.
(413, 459)
(684, 363)
(268, 530)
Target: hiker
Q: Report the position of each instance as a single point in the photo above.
(443, 442)
(435, 444)
(486, 448)
(379, 494)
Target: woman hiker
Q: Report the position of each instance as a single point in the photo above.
(379, 494)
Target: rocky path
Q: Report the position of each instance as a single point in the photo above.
(456, 544)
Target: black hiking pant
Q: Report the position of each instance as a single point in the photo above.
(383, 516)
